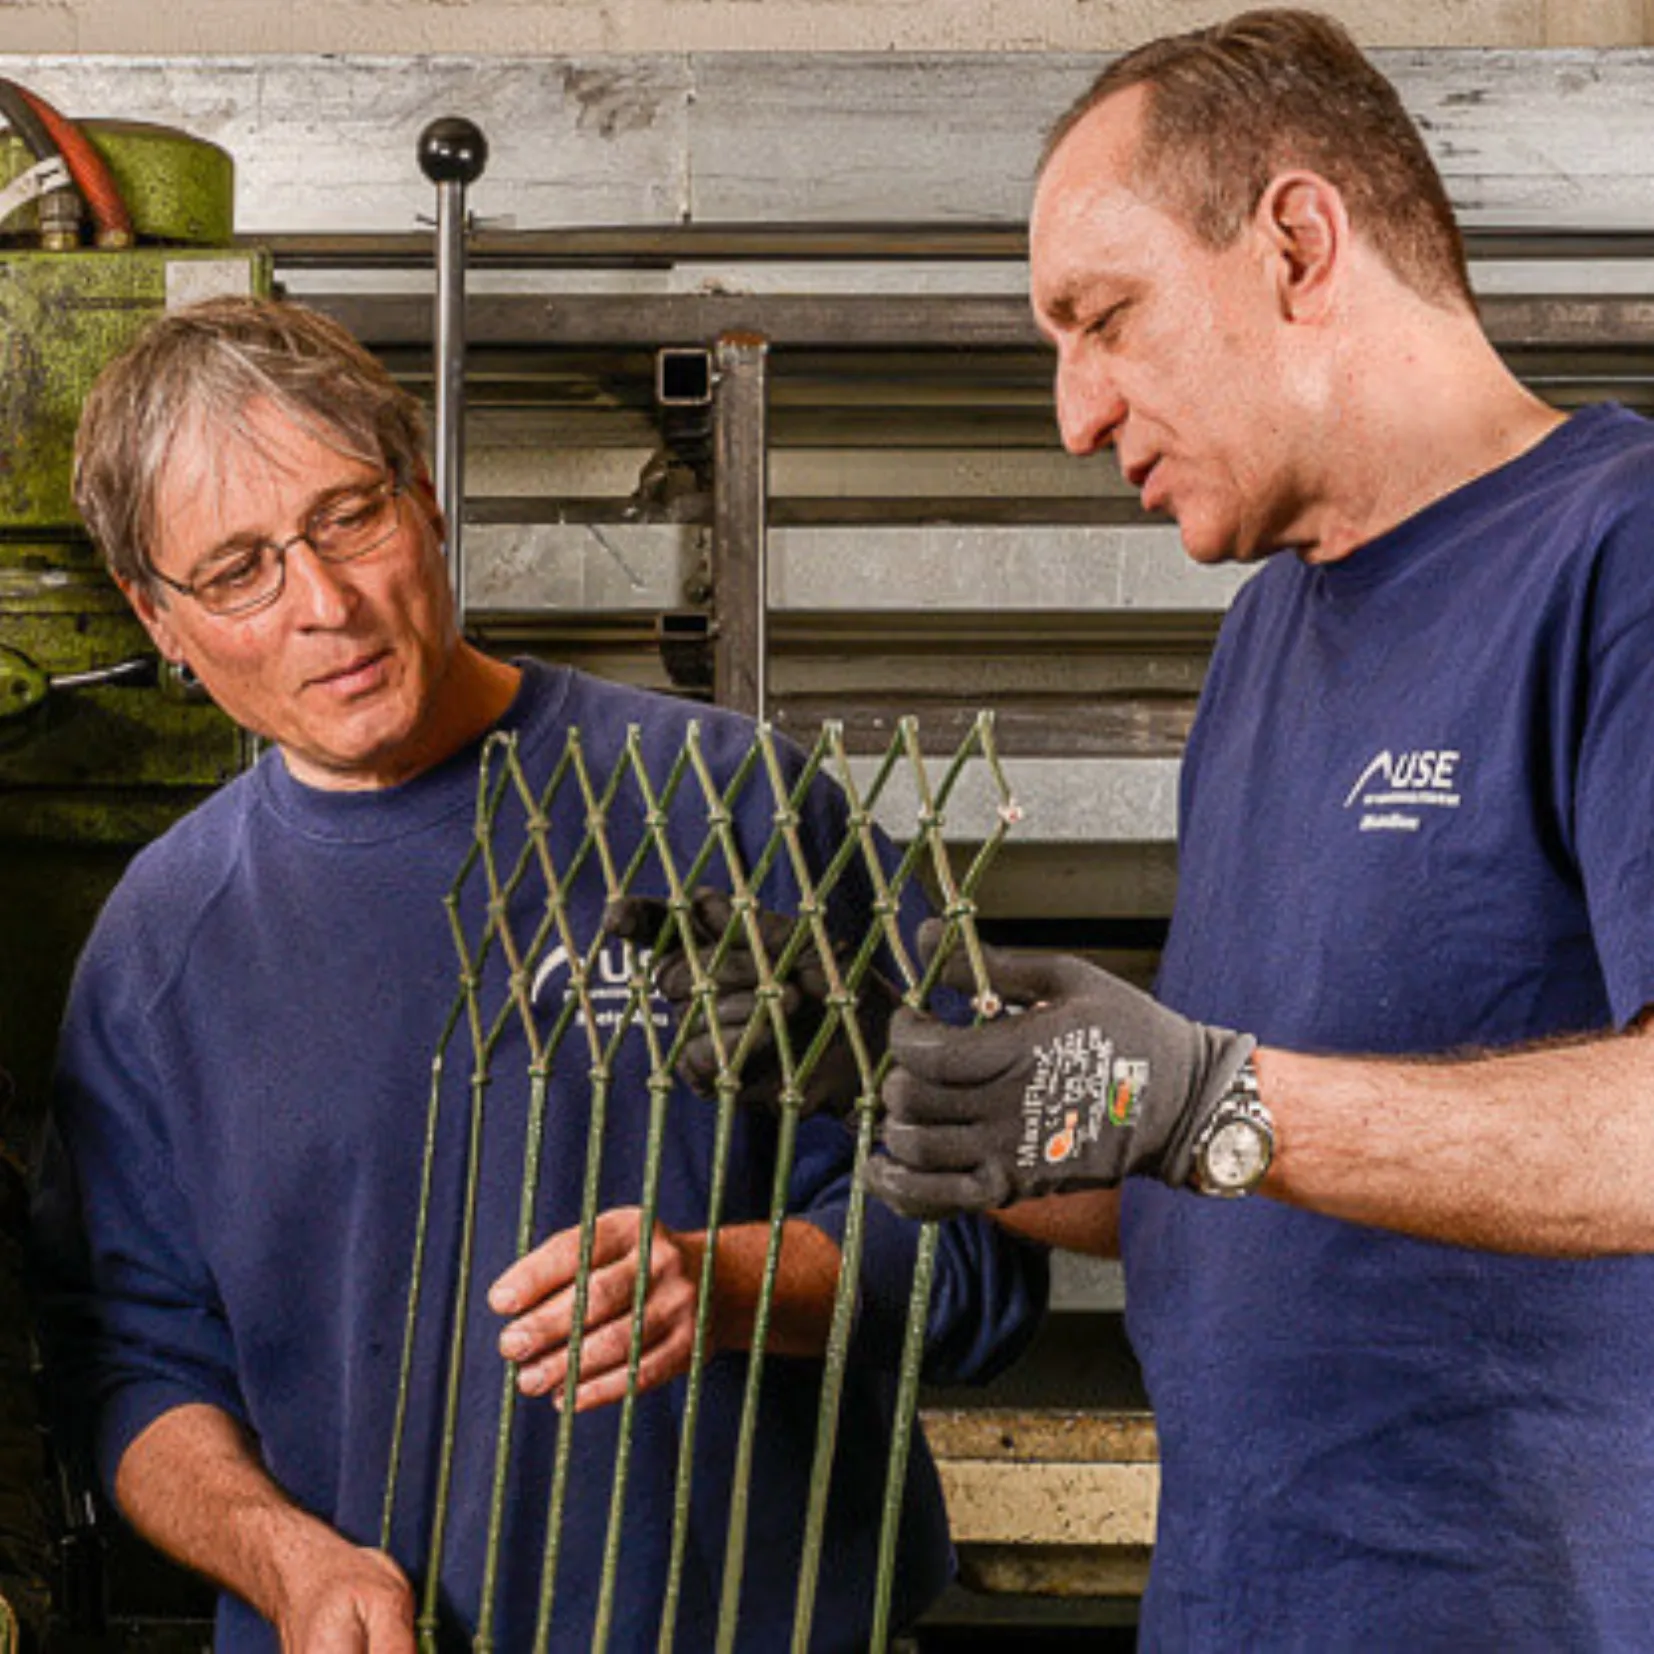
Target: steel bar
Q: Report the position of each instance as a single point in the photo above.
(450, 382)
(452, 154)
(661, 246)
(740, 569)
(881, 321)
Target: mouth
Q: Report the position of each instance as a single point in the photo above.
(360, 673)
(1140, 476)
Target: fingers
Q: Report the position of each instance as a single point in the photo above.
(537, 1275)
(539, 1291)
(355, 1601)
(933, 1148)
(639, 919)
(942, 1054)
(388, 1612)
(931, 1196)
(605, 1354)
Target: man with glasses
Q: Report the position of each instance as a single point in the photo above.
(227, 1216)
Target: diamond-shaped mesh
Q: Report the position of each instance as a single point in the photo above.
(545, 857)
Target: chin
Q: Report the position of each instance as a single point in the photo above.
(1206, 545)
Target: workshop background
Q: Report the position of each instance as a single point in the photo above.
(882, 523)
(512, 26)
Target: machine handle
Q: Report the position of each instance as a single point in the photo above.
(24, 685)
(452, 154)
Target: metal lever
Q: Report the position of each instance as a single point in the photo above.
(24, 685)
(452, 154)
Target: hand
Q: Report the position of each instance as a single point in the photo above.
(1092, 1083)
(537, 1292)
(835, 1083)
(346, 1599)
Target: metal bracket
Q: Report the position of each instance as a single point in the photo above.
(740, 511)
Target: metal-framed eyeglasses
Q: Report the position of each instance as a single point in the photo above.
(244, 575)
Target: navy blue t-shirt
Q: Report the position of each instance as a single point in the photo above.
(1417, 816)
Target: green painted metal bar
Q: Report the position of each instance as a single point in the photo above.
(660, 1086)
(791, 1097)
(719, 820)
(404, 1380)
(600, 1076)
(959, 907)
(484, 1040)
(844, 1298)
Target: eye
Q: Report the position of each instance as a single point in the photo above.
(349, 511)
(1106, 325)
(232, 573)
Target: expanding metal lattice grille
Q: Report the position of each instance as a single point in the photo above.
(782, 832)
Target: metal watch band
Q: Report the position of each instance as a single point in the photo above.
(1241, 1104)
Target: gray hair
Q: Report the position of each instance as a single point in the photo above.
(196, 370)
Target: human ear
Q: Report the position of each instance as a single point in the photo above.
(423, 493)
(1306, 228)
(155, 617)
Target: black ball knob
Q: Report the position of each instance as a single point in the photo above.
(452, 150)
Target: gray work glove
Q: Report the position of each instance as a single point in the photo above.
(835, 1082)
(1092, 1083)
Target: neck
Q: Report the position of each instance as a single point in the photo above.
(1420, 411)
(475, 693)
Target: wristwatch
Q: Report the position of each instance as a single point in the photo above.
(1237, 1142)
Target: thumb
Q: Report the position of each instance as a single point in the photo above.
(1017, 977)
(709, 915)
(637, 919)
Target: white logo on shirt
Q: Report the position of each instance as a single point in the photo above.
(608, 982)
(1396, 786)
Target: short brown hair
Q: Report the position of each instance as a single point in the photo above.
(197, 369)
(1232, 106)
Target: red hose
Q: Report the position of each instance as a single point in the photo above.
(90, 173)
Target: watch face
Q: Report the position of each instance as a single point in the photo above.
(1237, 1155)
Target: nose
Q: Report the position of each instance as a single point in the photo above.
(1089, 405)
(320, 593)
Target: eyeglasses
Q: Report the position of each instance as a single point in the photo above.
(247, 575)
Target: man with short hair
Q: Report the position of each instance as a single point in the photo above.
(1414, 835)
(228, 1215)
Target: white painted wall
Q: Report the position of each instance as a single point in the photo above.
(578, 26)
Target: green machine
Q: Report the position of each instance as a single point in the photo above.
(99, 749)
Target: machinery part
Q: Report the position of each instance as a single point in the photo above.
(112, 223)
(452, 154)
(179, 190)
(740, 512)
(50, 174)
(61, 319)
(61, 209)
(24, 686)
(683, 378)
(684, 638)
(25, 1539)
(140, 672)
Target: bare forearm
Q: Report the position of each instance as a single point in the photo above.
(806, 1278)
(1549, 1151)
(194, 1486)
(1088, 1221)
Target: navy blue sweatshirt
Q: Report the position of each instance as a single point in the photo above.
(228, 1213)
